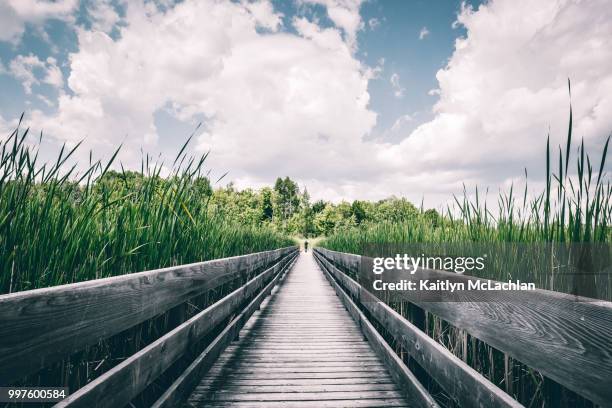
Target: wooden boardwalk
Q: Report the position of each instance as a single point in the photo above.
(310, 336)
(302, 349)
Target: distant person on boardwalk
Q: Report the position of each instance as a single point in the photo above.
(305, 246)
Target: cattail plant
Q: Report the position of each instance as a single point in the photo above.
(563, 235)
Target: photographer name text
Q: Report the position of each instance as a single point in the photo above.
(459, 265)
(449, 286)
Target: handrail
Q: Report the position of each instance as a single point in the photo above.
(568, 340)
(122, 383)
(43, 326)
(411, 386)
(472, 390)
(188, 380)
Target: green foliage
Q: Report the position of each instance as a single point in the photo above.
(267, 206)
(287, 198)
(57, 227)
(243, 206)
(358, 210)
(572, 216)
(318, 206)
(432, 217)
(573, 208)
(288, 210)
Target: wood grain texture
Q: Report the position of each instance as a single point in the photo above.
(185, 383)
(294, 356)
(459, 380)
(567, 338)
(400, 372)
(122, 383)
(352, 403)
(42, 326)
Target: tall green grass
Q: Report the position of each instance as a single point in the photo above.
(576, 208)
(573, 214)
(62, 222)
(571, 217)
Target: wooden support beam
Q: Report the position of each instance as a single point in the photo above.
(401, 374)
(43, 326)
(567, 338)
(122, 383)
(460, 381)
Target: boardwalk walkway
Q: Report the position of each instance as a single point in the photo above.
(302, 349)
(298, 345)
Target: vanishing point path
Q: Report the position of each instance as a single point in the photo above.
(301, 349)
(293, 334)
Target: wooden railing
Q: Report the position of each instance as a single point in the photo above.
(43, 326)
(566, 338)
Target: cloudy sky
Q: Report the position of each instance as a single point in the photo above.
(352, 98)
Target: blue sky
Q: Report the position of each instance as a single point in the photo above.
(391, 32)
(353, 98)
(414, 60)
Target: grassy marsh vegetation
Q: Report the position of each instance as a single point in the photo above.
(57, 226)
(572, 212)
(62, 223)
(572, 215)
(65, 222)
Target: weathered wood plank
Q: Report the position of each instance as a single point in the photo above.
(188, 379)
(351, 403)
(281, 346)
(325, 375)
(302, 369)
(259, 363)
(567, 338)
(346, 360)
(45, 325)
(300, 361)
(402, 375)
(350, 262)
(346, 352)
(122, 383)
(327, 395)
(297, 359)
(286, 389)
(471, 390)
(282, 382)
(305, 366)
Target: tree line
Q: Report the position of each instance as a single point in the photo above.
(290, 210)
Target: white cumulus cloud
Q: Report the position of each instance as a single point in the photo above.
(398, 90)
(505, 86)
(30, 70)
(423, 33)
(277, 103)
(103, 15)
(272, 102)
(15, 14)
(373, 23)
(345, 15)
